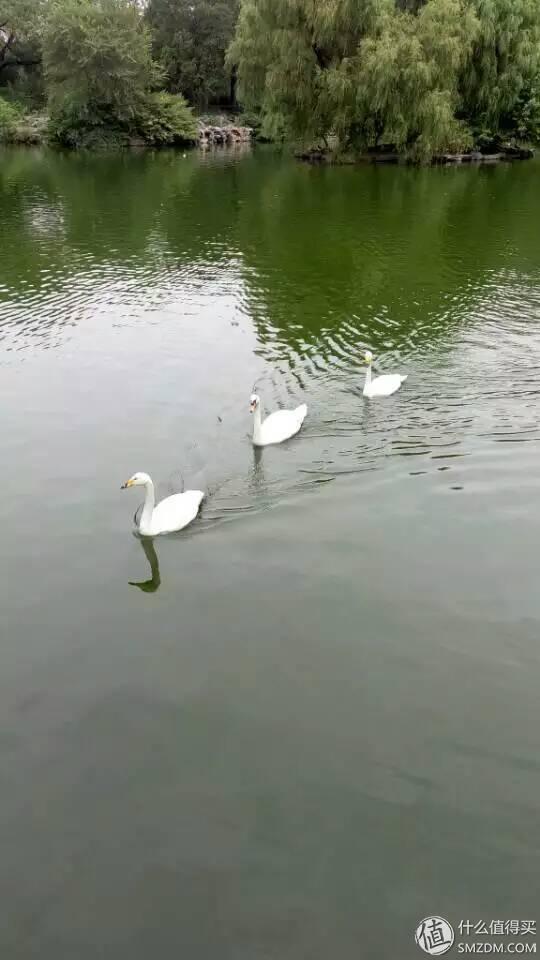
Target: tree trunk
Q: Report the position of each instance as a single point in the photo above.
(232, 89)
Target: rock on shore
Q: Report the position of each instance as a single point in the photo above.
(210, 135)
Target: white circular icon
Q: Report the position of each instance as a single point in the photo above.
(434, 936)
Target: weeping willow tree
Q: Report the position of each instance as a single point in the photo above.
(402, 86)
(416, 74)
(284, 51)
(505, 59)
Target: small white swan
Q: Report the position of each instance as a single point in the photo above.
(173, 513)
(278, 426)
(381, 386)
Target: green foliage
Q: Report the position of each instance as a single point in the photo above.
(9, 117)
(159, 119)
(100, 74)
(525, 118)
(505, 58)
(21, 24)
(166, 120)
(25, 87)
(419, 76)
(21, 27)
(416, 74)
(190, 38)
(17, 125)
(406, 80)
(77, 123)
(98, 52)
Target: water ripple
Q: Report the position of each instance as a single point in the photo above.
(193, 298)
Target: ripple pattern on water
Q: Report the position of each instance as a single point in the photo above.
(239, 296)
(344, 646)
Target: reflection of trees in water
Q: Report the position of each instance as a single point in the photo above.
(100, 219)
(331, 256)
(395, 256)
(107, 205)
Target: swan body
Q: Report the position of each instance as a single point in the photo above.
(277, 427)
(383, 386)
(172, 514)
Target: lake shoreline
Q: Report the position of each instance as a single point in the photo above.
(32, 130)
(506, 154)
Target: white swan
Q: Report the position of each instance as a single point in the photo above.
(278, 426)
(171, 514)
(381, 386)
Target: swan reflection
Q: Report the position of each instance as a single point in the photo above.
(149, 586)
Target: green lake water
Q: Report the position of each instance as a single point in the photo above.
(312, 719)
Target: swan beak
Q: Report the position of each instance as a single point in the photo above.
(252, 407)
(126, 485)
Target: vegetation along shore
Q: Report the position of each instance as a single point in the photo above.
(340, 80)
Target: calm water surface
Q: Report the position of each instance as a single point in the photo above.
(313, 719)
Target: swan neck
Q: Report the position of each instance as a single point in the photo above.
(257, 423)
(368, 375)
(148, 508)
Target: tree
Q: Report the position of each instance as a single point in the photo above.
(283, 48)
(98, 52)
(101, 77)
(407, 80)
(190, 38)
(416, 74)
(505, 59)
(20, 28)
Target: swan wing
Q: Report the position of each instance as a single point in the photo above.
(176, 512)
(282, 424)
(385, 385)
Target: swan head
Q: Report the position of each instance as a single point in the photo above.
(368, 357)
(137, 480)
(254, 402)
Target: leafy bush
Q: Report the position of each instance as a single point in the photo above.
(250, 118)
(76, 123)
(160, 119)
(525, 119)
(10, 114)
(166, 120)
